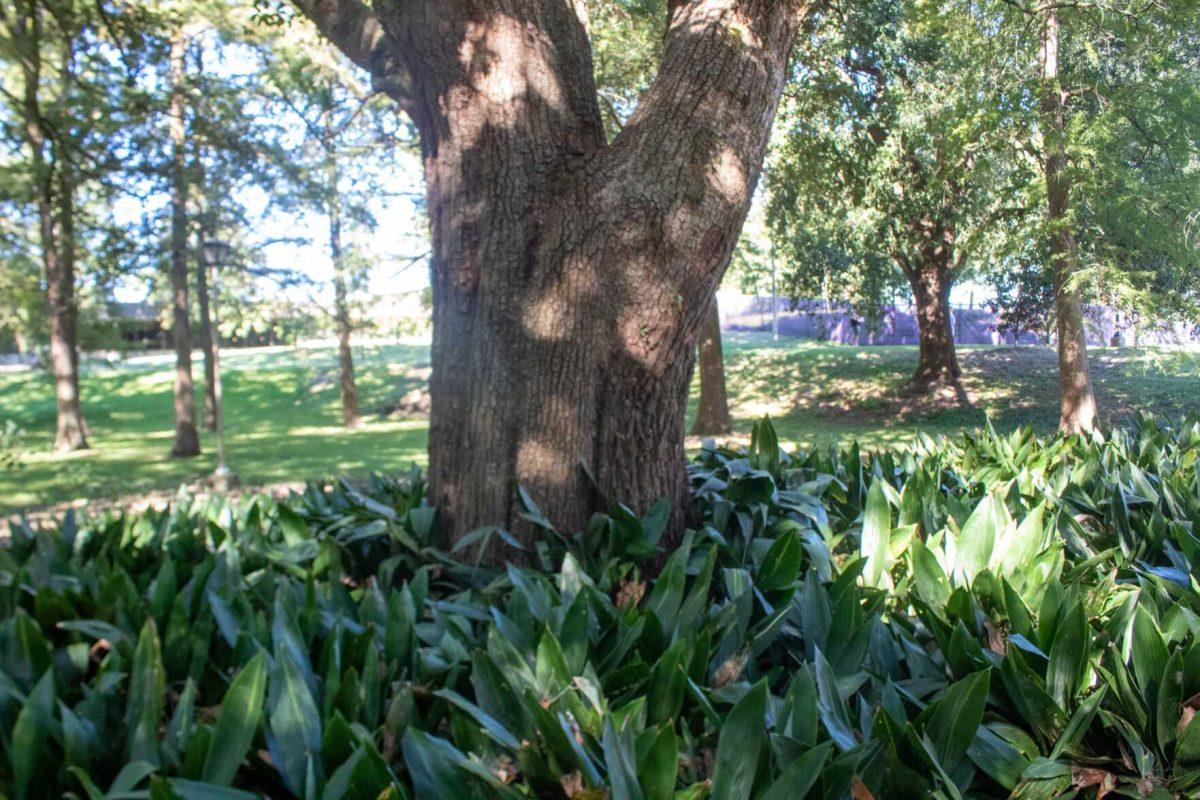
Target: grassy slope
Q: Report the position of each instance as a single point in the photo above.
(282, 408)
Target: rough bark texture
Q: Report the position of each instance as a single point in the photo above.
(712, 416)
(187, 438)
(1074, 371)
(570, 277)
(931, 278)
(351, 417)
(56, 229)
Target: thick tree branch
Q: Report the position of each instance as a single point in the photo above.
(699, 133)
(355, 30)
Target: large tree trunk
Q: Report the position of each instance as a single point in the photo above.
(351, 416)
(1074, 373)
(712, 416)
(570, 277)
(58, 257)
(187, 438)
(937, 360)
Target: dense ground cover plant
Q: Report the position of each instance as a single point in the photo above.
(984, 617)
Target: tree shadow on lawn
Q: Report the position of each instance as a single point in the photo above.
(120, 467)
(823, 393)
(278, 427)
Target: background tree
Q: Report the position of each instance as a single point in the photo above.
(238, 150)
(187, 436)
(67, 101)
(712, 414)
(350, 134)
(570, 275)
(1113, 128)
(1024, 297)
(892, 155)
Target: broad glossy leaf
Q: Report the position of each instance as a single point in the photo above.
(237, 721)
(739, 744)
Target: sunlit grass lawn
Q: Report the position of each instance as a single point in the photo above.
(819, 393)
(282, 421)
(283, 414)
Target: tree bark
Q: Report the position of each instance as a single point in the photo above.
(931, 278)
(351, 416)
(187, 438)
(570, 277)
(207, 338)
(54, 185)
(1078, 412)
(712, 416)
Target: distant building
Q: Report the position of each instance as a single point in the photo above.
(137, 323)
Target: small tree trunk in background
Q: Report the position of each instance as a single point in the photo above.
(1074, 372)
(59, 266)
(207, 337)
(71, 430)
(937, 359)
(187, 438)
(712, 417)
(351, 416)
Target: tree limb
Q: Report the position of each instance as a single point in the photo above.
(355, 30)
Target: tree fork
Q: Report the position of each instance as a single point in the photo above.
(570, 277)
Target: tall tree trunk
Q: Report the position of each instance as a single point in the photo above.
(71, 430)
(207, 339)
(351, 416)
(712, 417)
(1074, 372)
(59, 265)
(570, 277)
(187, 438)
(931, 278)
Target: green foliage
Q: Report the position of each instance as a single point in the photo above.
(894, 156)
(989, 616)
(1024, 300)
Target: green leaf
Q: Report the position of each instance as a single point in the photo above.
(1148, 650)
(192, 790)
(668, 680)
(932, 585)
(1068, 656)
(490, 726)
(294, 723)
(876, 534)
(977, 540)
(147, 694)
(997, 757)
(831, 705)
(31, 733)
(955, 718)
(237, 721)
(739, 744)
(621, 761)
(781, 564)
(658, 769)
(800, 775)
(1079, 723)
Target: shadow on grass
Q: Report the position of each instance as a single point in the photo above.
(283, 408)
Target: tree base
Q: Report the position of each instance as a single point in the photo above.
(711, 430)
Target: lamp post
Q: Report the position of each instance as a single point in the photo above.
(217, 254)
